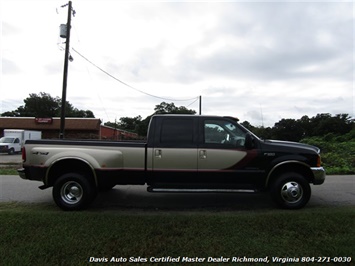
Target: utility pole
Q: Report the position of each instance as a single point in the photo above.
(200, 107)
(65, 73)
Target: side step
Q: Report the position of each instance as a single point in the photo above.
(198, 190)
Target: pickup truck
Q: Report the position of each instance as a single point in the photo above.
(182, 153)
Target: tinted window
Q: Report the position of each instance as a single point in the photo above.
(223, 132)
(179, 130)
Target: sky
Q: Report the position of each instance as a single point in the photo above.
(260, 61)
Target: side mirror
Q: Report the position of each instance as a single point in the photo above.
(249, 141)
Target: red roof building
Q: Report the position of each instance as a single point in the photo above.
(75, 128)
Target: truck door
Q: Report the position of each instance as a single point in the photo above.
(17, 145)
(174, 153)
(222, 156)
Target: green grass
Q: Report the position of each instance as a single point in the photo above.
(43, 235)
(8, 171)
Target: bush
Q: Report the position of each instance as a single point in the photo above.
(337, 152)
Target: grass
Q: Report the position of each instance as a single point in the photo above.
(43, 235)
(8, 171)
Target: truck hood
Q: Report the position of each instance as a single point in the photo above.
(290, 144)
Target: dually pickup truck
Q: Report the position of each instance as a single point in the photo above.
(182, 153)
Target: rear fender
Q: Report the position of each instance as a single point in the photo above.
(94, 158)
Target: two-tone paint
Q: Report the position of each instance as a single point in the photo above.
(176, 157)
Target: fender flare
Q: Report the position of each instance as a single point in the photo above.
(53, 163)
(275, 167)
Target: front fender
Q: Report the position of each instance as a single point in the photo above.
(284, 164)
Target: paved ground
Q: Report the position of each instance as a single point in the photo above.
(6, 159)
(336, 191)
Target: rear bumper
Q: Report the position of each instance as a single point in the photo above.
(32, 173)
(319, 175)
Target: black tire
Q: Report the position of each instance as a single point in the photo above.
(11, 151)
(291, 191)
(72, 191)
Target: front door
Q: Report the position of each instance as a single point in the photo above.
(222, 155)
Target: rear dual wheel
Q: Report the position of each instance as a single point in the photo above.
(291, 191)
(72, 191)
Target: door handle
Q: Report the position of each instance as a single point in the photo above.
(158, 153)
(203, 154)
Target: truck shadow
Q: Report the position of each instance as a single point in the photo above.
(137, 198)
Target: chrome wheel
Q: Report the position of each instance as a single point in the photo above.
(291, 192)
(71, 192)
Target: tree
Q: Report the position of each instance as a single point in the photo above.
(323, 124)
(170, 108)
(247, 125)
(37, 105)
(295, 130)
(139, 126)
(129, 123)
(288, 129)
(44, 105)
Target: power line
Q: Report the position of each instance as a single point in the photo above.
(124, 83)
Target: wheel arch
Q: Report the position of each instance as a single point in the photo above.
(289, 166)
(67, 165)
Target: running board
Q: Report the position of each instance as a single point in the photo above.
(199, 190)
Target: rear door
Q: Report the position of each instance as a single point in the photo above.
(174, 155)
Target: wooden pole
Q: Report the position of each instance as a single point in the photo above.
(65, 73)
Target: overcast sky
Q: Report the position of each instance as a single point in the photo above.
(258, 61)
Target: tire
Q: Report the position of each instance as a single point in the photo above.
(291, 191)
(11, 151)
(72, 191)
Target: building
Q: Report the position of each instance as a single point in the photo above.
(75, 128)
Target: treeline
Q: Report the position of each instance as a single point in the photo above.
(305, 127)
(325, 125)
(340, 125)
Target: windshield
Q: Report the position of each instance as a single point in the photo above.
(247, 130)
(6, 140)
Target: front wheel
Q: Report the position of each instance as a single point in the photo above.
(291, 191)
(73, 191)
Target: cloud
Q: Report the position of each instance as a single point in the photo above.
(9, 67)
(9, 29)
(286, 58)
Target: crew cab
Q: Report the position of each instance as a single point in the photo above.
(182, 153)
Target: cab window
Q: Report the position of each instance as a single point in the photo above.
(177, 131)
(223, 132)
